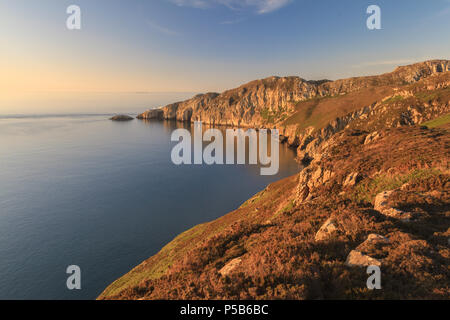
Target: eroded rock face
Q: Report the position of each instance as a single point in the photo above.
(352, 179)
(404, 74)
(250, 105)
(309, 179)
(190, 109)
(290, 132)
(415, 72)
(374, 136)
(152, 114)
(313, 142)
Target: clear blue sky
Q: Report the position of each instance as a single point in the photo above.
(209, 45)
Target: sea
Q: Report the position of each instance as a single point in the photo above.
(80, 189)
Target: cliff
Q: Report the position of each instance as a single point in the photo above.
(374, 191)
(269, 101)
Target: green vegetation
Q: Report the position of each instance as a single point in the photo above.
(393, 99)
(306, 116)
(286, 209)
(253, 199)
(427, 96)
(271, 116)
(321, 111)
(367, 190)
(439, 122)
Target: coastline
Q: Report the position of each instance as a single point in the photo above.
(331, 149)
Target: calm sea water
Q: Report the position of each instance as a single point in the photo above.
(102, 195)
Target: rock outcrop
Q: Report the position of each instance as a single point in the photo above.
(382, 206)
(352, 179)
(121, 118)
(374, 136)
(358, 259)
(310, 179)
(152, 114)
(375, 238)
(230, 266)
(327, 230)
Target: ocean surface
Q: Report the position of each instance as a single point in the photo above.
(83, 190)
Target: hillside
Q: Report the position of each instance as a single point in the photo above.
(374, 190)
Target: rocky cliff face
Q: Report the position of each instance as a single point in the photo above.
(400, 76)
(412, 105)
(246, 106)
(269, 101)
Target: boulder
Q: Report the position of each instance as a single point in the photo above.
(358, 259)
(230, 266)
(381, 205)
(327, 230)
(376, 238)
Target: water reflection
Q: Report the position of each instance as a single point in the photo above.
(286, 154)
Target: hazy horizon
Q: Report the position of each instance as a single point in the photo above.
(38, 103)
(183, 46)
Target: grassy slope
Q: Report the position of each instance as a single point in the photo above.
(439, 122)
(321, 111)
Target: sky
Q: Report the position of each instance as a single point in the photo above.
(185, 46)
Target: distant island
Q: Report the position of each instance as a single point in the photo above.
(121, 117)
(374, 191)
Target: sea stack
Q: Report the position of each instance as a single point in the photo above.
(121, 117)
